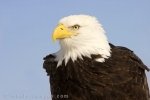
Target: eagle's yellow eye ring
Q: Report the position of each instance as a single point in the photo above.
(76, 27)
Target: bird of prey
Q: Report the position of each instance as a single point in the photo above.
(88, 67)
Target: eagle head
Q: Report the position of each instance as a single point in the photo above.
(80, 35)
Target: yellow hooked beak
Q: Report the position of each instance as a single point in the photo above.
(61, 32)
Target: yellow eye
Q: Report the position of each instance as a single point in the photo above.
(76, 27)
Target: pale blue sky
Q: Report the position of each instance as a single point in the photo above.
(25, 37)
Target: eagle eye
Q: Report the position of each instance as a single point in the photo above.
(75, 27)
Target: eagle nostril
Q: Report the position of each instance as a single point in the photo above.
(61, 28)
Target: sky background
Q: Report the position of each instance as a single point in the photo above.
(25, 38)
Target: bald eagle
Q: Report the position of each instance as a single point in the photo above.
(88, 67)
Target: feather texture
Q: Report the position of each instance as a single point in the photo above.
(121, 77)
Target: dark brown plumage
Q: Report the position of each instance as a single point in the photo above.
(120, 77)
